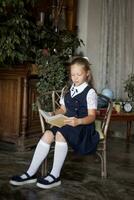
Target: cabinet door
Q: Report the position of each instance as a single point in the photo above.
(49, 7)
(10, 101)
(33, 116)
(71, 14)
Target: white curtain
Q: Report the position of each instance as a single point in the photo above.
(116, 44)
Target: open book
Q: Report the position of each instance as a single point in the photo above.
(56, 120)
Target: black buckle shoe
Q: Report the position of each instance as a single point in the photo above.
(17, 180)
(45, 184)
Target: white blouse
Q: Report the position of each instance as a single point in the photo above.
(91, 95)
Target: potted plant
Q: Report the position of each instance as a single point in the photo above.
(16, 33)
(129, 87)
(52, 59)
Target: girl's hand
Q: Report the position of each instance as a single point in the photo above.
(73, 121)
(51, 113)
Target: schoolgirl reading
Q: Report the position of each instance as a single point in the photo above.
(78, 102)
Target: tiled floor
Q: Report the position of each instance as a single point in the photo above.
(80, 176)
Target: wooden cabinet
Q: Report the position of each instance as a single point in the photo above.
(19, 123)
(69, 7)
(71, 14)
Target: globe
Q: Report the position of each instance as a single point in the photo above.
(103, 102)
(108, 93)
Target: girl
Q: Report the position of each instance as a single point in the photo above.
(79, 103)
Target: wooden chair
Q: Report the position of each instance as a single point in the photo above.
(102, 124)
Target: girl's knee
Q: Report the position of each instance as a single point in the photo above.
(59, 137)
(48, 137)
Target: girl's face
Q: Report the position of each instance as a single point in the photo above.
(78, 74)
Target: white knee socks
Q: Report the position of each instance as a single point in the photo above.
(40, 154)
(41, 151)
(61, 149)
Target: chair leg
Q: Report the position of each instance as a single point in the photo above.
(102, 156)
(44, 168)
(104, 165)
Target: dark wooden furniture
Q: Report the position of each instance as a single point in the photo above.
(70, 7)
(122, 116)
(19, 123)
(71, 14)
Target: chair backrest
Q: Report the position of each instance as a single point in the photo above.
(54, 97)
(40, 116)
(106, 115)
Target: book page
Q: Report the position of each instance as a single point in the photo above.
(56, 120)
(45, 114)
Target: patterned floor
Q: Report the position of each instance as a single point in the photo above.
(80, 176)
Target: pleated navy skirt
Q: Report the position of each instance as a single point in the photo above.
(83, 138)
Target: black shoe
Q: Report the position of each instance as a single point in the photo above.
(17, 180)
(45, 184)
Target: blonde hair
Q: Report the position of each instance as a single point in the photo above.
(85, 64)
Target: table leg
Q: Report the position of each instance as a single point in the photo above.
(129, 125)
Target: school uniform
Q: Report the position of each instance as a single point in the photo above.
(82, 138)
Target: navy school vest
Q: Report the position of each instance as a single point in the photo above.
(77, 106)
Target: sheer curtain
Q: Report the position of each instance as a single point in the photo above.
(116, 44)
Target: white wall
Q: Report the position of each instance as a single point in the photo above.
(106, 27)
(89, 30)
(92, 18)
(82, 22)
